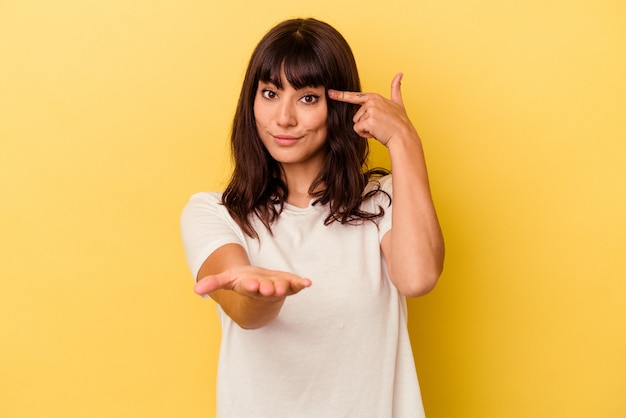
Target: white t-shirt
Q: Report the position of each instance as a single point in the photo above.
(339, 348)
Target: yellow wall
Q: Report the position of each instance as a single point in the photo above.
(113, 112)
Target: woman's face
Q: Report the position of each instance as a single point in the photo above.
(292, 123)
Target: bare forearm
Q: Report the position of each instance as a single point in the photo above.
(417, 248)
(245, 311)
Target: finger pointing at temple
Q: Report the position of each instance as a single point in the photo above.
(348, 96)
(377, 117)
(361, 98)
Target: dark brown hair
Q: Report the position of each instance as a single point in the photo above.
(311, 53)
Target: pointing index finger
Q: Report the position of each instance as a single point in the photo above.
(347, 96)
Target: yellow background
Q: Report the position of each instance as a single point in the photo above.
(113, 112)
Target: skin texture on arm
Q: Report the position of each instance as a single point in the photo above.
(252, 296)
(414, 247)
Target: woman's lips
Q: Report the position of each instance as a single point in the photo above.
(285, 140)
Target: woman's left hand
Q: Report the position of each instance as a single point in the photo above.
(378, 117)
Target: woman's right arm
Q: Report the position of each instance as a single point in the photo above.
(251, 296)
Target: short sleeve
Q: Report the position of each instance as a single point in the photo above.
(380, 200)
(385, 202)
(206, 226)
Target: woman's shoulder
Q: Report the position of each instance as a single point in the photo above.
(203, 203)
(205, 198)
(379, 183)
(377, 194)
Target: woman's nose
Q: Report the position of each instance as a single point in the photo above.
(287, 114)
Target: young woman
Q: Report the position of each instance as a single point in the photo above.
(308, 254)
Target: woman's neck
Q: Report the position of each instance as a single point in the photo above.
(299, 182)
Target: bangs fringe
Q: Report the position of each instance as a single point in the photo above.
(302, 67)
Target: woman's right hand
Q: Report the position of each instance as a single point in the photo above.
(251, 296)
(253, 281)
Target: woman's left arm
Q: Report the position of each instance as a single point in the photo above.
(413, 248)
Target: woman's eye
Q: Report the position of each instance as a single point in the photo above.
(268, 94)
(310, 99)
